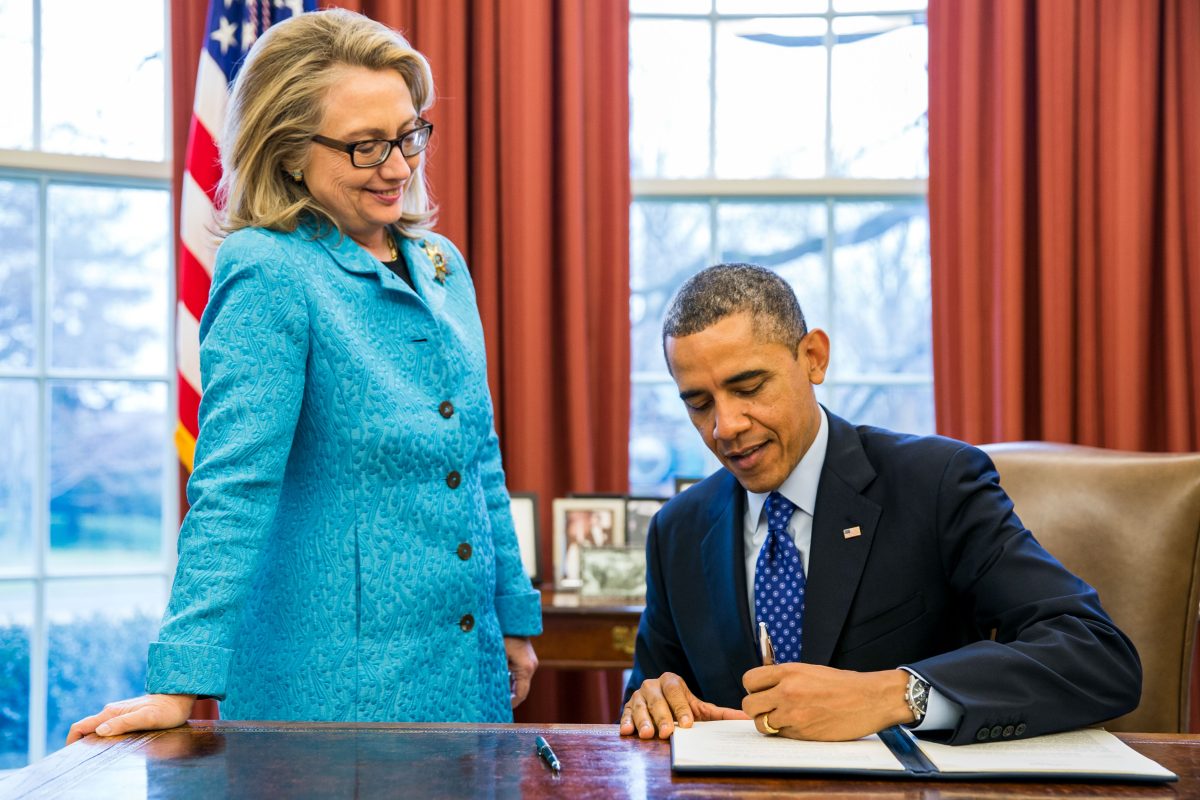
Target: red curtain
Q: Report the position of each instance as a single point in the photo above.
(530, 168)
(1064, 200)
(1064, 203)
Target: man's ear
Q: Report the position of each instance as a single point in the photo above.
(814, 349)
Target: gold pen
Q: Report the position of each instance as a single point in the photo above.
(764, 645)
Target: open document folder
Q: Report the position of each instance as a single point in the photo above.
(1088, 754)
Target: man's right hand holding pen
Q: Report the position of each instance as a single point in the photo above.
(799, 701)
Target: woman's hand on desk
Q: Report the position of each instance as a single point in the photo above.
(146, 713)
(522, 663)
(664, 702)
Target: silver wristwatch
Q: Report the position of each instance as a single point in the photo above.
(917, 697)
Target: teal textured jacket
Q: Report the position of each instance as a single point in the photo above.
(346, 455)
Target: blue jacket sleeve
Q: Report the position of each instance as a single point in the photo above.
(253, 349)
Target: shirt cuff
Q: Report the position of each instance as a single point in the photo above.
(941, 713)
(187, 669)
(520, 614)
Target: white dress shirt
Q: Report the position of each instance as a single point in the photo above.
(800, 487)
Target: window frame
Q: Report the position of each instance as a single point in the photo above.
(827, 189)
(46, 168)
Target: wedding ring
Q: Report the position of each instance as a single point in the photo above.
(767, 725)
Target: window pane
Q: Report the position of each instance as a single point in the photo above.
(103, 91)
(770, 98)
(668, 98)
(901, 408)
(18, 432)
(108, 278)
(880, 97)
(16, 624)
(669, 242)
(663, 442)
(788, 237)
(879, 5)
(18, 268)
(771, 6)
(670, 6)
(99, 632)
(881, 301)
(106, 474)
(16, 64)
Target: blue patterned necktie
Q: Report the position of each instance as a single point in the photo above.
(779, 582)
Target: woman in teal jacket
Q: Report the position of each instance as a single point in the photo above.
(349, 553)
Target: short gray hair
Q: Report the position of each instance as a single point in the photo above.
(717, 292)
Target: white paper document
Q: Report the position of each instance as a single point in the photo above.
(1089, 751)
(736, 746)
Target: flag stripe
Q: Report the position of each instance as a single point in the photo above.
(198, 228)
(194, 284)
(212, 94)
(187, 329)
(189, 407)
(204, 161)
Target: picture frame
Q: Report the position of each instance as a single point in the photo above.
(582, 522)
(638, 513)
(614, 572)
(529, 538)
(683, 484)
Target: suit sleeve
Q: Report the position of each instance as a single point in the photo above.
(1054, 660)
(253, 349)
(658, 649)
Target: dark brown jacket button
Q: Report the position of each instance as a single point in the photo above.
(453, 479)
(446, 409)
(464, 551)
(1020, 729)
(466, 623)
(996, 731)
(1008, 731)
(981, 735)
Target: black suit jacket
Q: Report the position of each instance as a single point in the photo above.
(944, 578)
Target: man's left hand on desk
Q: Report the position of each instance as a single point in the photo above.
(660, 704)
(807, 701)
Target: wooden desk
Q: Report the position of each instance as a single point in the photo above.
(586, 633)
(329, 760)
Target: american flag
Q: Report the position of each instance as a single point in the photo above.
(233, 26)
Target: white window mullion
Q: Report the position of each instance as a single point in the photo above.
(39, 633)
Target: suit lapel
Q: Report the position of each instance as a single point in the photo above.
(722, 555)
(836, 562)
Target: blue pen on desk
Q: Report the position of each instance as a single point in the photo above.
(547, 755)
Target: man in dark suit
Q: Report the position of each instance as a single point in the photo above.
(889, 570)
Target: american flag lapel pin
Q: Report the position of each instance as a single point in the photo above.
(851, 533)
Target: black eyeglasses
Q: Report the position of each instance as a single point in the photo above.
(373, 152)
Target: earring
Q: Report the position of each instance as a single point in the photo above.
(297, 175)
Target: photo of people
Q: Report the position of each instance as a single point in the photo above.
(581, 523)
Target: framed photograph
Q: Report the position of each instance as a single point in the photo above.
(682, 484)
(580, 523)
(613, 572)
(638, 512)
(525, 520)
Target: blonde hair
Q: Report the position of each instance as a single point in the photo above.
(278, 102)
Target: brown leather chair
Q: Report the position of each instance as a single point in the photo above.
(1128, 524)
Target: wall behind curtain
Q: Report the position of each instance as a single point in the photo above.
(530, 168)
(1064, 199)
